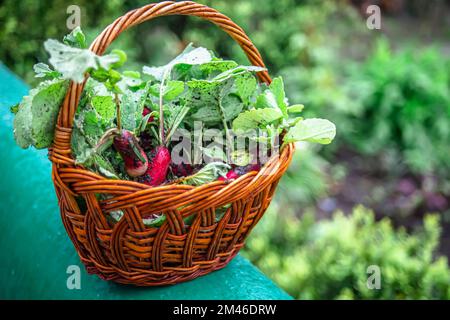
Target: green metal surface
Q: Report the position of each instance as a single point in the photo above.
(36, 252)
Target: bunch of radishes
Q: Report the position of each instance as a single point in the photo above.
(195, 86)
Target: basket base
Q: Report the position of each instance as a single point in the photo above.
(155, 279)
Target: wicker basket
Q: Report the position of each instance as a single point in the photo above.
(129, 252)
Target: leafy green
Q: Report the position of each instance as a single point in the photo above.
(35, 120)
(206, 99)
(76, 39)
(104, 166)
(73, 63)
(215, 152)
(223, 97)
(42, 70)
(105, 107)
(15, 108)
(209, 173)
(95, 115)
(255, 118)
(190, 56)
(154, 222)
(132, 105)
(296, 108)
(195, 86)
(211, 69)
(172, 90)
(277, 89)
(313, 130)
(240, 158)
(174, 119)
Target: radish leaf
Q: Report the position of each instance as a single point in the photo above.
(73, 63)
(256, 118)
(313, 130)
(34, 123)
(209, 173)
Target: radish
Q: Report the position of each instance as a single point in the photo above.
(147, 111)
(236, 172)
(160, 158)
(159, 166)
(136, 161)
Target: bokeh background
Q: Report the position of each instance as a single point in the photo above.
(380, 194)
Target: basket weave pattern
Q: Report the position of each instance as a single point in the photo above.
(128, 251)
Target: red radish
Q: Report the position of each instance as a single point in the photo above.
(136, 161)
(231, 175)
(147, 111)
(159, 165)
(236, 172)
(160, 158)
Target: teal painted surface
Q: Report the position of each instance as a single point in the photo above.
(35, 250)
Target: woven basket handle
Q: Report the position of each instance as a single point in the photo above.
(135, 17)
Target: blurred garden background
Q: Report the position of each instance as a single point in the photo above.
(380, 194)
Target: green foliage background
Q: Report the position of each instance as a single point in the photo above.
(388, 94)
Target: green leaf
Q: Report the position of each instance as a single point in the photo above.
(207, 174)
(209, 114)
(42, 70)
(91, 126)
(266, 100)
(274, 97)
(82, 150)
(296, 108)
(239, 70)
(313, 130)
(154, 222)
(212, 102)
(76, 39)
(104, 167)
(132, 74)
(144, 122)
(215, 152)
(105, 107)
(122, 58)
(14, 109)
(174, 120)
(246, 85)
(277, 88)
(240, 158)
(88, 128)
(73, 63)
(34, 123)
(214, 68)
(114, 76)
(190, 56)
(255, 118)
(23, 122)
(131, 107)
(172, 90)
